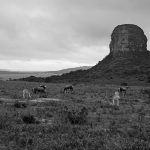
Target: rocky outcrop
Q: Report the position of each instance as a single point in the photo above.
(127, 38)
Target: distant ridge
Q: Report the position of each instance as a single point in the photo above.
(10, 75)
(60, 72)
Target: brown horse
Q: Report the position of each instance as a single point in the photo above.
(123, 90)
(40, 89)
(68, 88)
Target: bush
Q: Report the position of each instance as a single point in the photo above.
(28, 119)
(18, 104)
(74, 115)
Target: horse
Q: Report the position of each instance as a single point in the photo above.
(68, 88)
(116, 98)
(26, 94)
(40, 89)
(123, 90)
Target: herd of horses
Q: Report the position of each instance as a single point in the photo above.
(69, 88)
(42, 90)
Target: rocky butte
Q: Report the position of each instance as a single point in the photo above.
(128, 59)
(128, 38)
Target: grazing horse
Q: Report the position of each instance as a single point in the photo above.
(123, 90)
(40, 89)
(26, 94)
(68, 88)
(116, 98)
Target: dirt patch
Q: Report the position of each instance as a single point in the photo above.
(45, 100)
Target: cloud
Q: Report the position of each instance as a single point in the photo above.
(77, 32)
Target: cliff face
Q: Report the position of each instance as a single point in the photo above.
(127, 38)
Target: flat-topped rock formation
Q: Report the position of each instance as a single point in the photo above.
(127, 38)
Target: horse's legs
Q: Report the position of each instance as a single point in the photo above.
(124, 93)
(65, 90)
(71, 90)
(117, 102)
(23, 95)
(29, 95)
(113, 102)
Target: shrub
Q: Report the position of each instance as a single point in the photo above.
(28, 119)
(74, 115)
(18, 104)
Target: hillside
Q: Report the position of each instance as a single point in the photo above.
(135, 68)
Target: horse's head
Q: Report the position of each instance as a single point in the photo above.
(43, 86)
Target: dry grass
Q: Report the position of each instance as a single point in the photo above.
(64, 125)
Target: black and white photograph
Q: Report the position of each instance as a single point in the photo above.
(74, 75)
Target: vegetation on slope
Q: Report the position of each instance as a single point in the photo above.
(134, 67)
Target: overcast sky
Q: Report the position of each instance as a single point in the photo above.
(55, 34)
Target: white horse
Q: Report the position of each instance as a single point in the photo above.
(116, 98)
(26, 94)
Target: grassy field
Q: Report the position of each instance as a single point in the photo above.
(83, 120)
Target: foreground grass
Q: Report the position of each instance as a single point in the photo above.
(84, 120)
